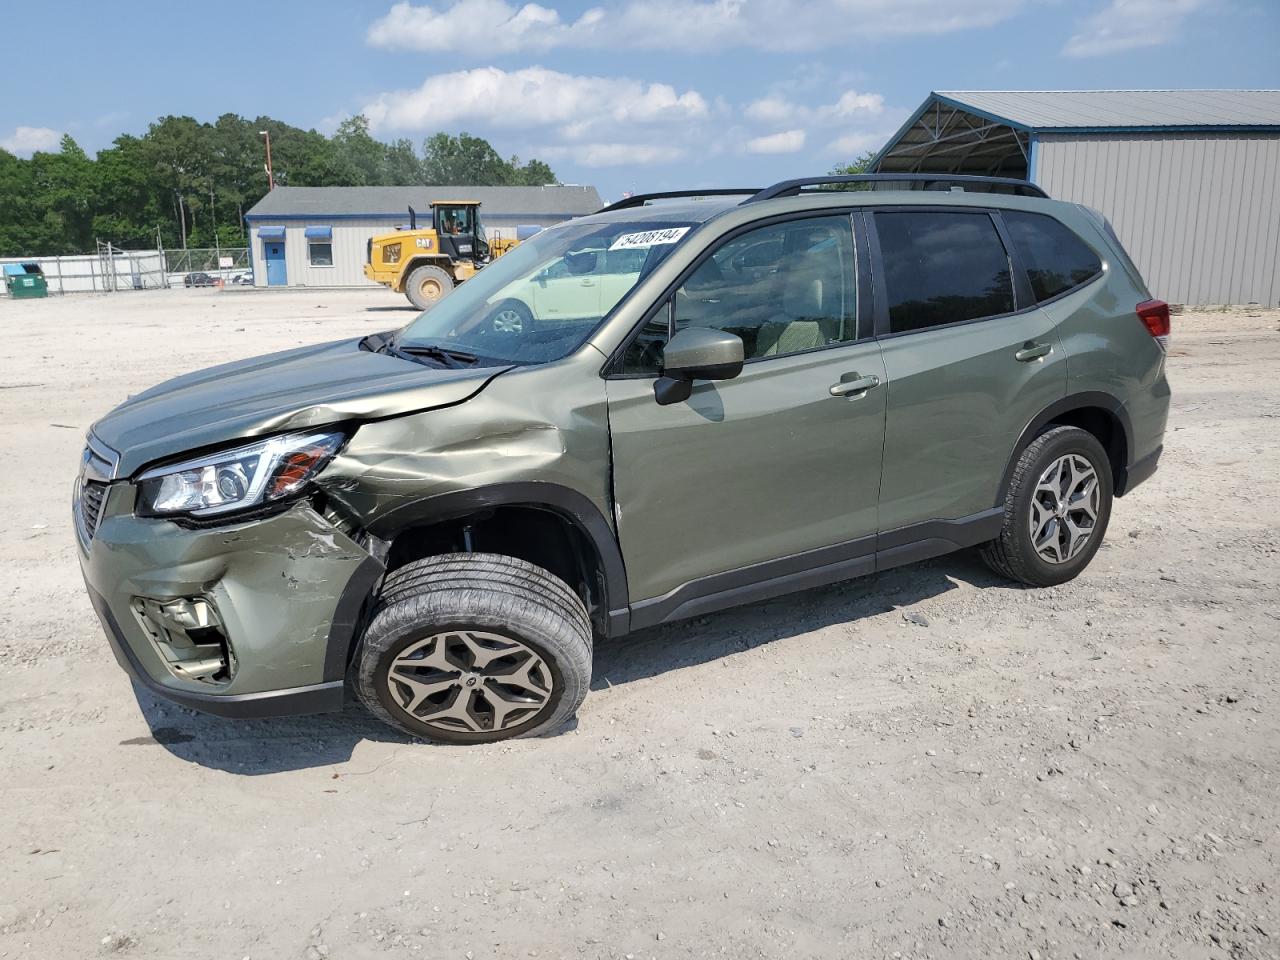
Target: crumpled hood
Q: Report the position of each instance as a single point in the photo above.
(292, 390)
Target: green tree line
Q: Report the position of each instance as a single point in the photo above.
(183, 180)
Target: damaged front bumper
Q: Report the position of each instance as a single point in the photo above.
(255, 619)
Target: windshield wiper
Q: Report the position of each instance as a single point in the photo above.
(445, 355)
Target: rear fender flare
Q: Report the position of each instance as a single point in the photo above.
(1077, 401)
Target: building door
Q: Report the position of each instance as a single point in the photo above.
(273, 252)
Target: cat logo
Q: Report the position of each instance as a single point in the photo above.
(424, 243)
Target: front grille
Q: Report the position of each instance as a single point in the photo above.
(92, 494)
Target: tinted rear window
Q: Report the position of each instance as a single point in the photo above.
(942, 267)
(1055, 258)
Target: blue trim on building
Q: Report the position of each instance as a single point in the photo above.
(935, 98)
(993, 117)
(1170, 128)
(1033, 158)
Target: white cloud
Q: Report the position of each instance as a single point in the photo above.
(485, 26)
(852, 104)
(27, 140)
(788, 141)
(839, 120)
(777, 110)
(614, 154)
(489, 26)
(532, 97)
(855, 144)
(1128, 25)
(771, 109)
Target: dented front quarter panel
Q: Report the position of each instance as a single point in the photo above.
(545, 424)
(276, 583)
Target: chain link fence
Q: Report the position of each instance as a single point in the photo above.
(207, 260)
(109, 269)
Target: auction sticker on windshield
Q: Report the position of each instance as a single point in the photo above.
(650, 238)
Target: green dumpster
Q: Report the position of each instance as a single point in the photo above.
(25, 281)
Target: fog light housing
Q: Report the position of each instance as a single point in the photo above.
(189, 636)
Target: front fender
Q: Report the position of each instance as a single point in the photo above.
(535, 436)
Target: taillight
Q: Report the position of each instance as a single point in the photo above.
(1154, 315)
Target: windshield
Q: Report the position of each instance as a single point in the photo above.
(542, 300)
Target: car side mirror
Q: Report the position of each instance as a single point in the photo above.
(697, 353)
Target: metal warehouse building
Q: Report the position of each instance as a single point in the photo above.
(318, 236)
(1190, 179)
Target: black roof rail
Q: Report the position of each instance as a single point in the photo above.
(790, 188)
(640, 199)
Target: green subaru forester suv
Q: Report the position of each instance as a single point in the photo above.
(677, 405)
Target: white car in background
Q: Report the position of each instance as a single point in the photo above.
(581, 285)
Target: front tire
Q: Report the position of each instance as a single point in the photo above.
(475, 647)
(427, 285)
(510, 317)
(1055, 511)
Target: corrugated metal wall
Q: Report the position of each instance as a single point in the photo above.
(350, 239)
(350, 246)
(1199, 213)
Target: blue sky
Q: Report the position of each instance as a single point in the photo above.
(634, 95)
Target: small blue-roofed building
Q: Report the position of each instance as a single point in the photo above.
(319, 236)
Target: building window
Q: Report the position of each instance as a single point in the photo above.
(320, 246)
(320, 253)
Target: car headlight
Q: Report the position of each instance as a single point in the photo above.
(237, 479)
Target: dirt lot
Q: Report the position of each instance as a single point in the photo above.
(1087, 771)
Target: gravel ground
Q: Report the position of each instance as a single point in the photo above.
(929, 762)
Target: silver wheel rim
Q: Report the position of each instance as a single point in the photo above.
(468, 681)
(508, 321)
(1064, 508)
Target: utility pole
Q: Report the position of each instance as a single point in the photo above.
(271, 180)
(182, 218)
(164, 263)
(217, 247)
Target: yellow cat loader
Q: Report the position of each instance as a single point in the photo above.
(426, 264)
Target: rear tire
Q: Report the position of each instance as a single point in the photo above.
(427, 285)
(1055, 511)
(475, 647)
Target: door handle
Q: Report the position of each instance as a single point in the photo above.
(854, 388)
(1033, 351)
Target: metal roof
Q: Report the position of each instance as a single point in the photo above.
(322, 202)
(1121, 109)
(993, 132)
